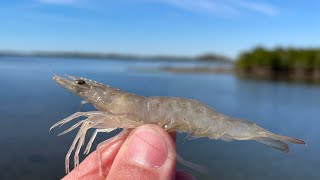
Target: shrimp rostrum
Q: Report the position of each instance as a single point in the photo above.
(119, 109)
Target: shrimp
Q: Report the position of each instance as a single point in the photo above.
(119, 109)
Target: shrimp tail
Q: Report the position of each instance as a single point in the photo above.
(289, 139)
(278, 142)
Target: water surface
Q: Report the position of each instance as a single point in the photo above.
(32, 102)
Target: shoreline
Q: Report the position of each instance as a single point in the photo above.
(198, 70)
(208, 57)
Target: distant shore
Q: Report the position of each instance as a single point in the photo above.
(210, 57)
(280, 63)
(190, 70)
(198, 70)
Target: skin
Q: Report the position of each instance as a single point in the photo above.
(128, 156)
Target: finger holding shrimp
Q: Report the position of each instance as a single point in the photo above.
(129, 150)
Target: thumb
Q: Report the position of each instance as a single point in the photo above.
(148, 153)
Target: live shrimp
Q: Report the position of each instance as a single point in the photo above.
(119, 109)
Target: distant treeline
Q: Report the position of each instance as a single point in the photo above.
(121, 56)
(280, 62)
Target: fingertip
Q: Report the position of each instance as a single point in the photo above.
(148, 153)
(150, 145)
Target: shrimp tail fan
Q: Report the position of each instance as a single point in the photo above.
(278, 142)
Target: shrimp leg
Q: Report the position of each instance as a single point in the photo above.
(107, 130)
(102, 121)
(74, 116)
(71, 128)
(79, 139)
(86, 126)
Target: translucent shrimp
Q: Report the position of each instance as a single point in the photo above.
(119, 109)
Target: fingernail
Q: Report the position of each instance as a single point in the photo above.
(146, 147)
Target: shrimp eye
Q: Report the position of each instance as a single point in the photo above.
(80, 81)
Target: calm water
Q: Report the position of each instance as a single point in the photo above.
(32, 102)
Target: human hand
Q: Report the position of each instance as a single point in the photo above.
(147, 152)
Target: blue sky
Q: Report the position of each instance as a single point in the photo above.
(180, 27)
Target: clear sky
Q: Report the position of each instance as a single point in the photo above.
(181, 27)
